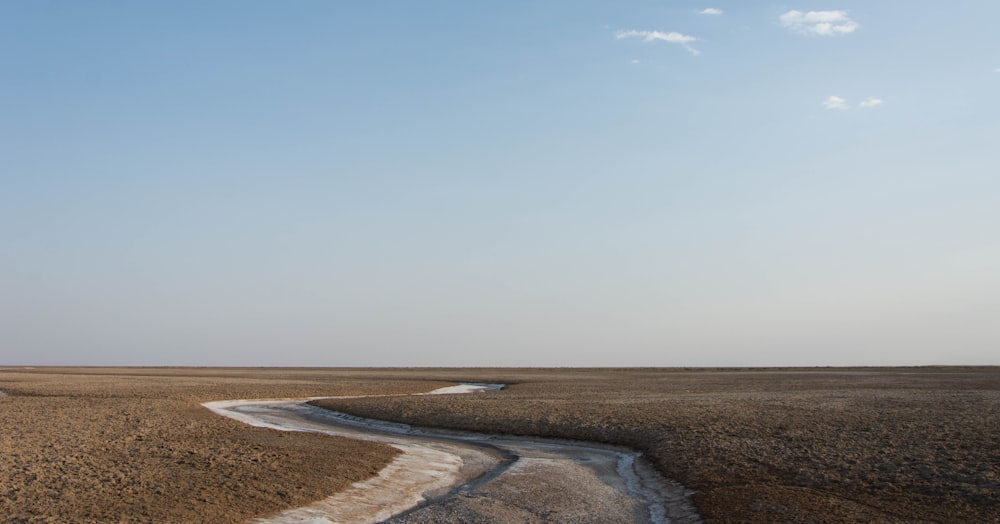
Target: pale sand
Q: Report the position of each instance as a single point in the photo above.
(443, 475)
(417, 473)
(465, 388)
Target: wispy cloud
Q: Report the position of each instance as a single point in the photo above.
(635, 60)
(710, 11)
(835, 102)
(653, 36)
(822, 23)
(871, 102)
(839, 103)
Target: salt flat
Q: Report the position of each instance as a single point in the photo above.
(837, 445)
(445, 476)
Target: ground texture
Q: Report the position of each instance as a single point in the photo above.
(763, 446)
(134, 445)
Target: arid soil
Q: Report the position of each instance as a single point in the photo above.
(134, 445)
(918, 444)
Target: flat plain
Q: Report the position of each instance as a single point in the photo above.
(813, 445)
(135, 445)
(804, 445)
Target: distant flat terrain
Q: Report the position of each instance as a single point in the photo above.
(822, 445)
(134, 444)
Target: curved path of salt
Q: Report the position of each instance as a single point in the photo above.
(446, 475)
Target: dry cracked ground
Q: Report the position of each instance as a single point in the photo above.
(830, 445)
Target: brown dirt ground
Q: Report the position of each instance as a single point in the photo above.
(866, 445)
(134, 445)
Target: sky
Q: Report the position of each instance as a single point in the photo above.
(517, 183)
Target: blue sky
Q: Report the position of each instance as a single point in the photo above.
(514, 183)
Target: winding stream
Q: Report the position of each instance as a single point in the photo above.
(449, 476)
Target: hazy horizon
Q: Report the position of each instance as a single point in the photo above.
(662, 184)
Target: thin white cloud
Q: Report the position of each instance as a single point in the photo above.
(822, 23)
(835, 102)
(871, 102)
(653, 36)
(997, 70)
(635, 61)
(710, 11)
